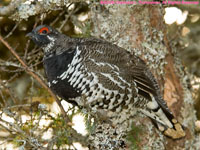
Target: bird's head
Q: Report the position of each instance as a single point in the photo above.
(44, 36)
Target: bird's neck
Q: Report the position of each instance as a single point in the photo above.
(57, 64)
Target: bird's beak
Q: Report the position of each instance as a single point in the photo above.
(30, 34)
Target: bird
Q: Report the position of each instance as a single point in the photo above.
(94, 73)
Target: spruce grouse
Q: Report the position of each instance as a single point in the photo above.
(95, 73)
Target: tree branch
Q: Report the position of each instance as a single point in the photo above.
(35, 76)
(7, 10)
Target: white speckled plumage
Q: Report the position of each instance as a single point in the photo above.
(95, 73)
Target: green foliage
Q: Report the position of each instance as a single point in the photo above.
(41, 92)
(87, 29)
(133, 137)
(24, 130)
(89, 123)
(62, 131)
(16, 140)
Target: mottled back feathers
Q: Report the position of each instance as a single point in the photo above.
(95, 73)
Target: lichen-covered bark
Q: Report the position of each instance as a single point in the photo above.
(141, 29)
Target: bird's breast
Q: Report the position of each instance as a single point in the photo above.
(69, 77)
(59, 70)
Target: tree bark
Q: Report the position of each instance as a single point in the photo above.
(141, 29)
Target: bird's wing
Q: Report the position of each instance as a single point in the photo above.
(129, 66)
(147, 84)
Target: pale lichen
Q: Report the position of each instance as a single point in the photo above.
(115, 23)
(26, 10)
(30, 8)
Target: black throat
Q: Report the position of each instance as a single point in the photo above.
(54, 67)
(57, 64)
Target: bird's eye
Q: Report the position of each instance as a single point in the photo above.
(44, 30)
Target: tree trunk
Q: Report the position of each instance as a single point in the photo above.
(141, 29)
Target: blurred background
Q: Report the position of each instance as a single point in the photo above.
(23, 101)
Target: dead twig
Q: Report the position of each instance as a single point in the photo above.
(57, 18)
(68, 16)
(11, 32)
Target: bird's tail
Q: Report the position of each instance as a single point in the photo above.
(165, 121)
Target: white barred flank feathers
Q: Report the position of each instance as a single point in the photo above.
(104, 76)
(54, 81)
(80, 76)
(71, 67)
